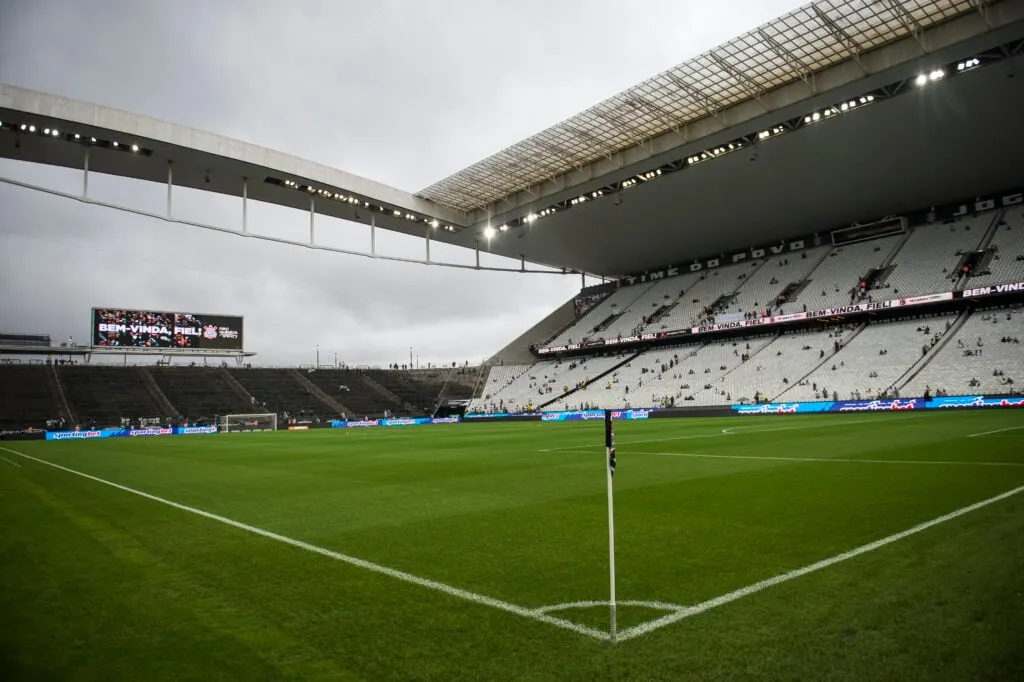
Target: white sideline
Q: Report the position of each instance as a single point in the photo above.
(533, 614)
(989, 433)
(731, 432)
(11, 462)
(832, 459)
(644, 628)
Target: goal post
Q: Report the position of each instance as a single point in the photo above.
(235, 423)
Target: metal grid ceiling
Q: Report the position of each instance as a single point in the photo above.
(794, 46)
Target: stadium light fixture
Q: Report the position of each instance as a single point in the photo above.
(489, 232)
(531, 217)
(46, 131)
(114, 144)
(31, 129)
(434, 223)
(55, 132)
(503, 228)
(921, 80)
(77, 136)
(937, 74)
(93, 140)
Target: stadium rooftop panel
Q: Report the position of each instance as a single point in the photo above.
(791, 48)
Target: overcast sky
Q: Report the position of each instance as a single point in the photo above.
(403, 92)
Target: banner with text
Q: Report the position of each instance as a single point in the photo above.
(120, 328)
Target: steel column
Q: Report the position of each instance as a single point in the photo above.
(85, 176)
(245, 205)
(170, 185)
(312, 216)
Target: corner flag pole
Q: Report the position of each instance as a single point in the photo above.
(609, 446)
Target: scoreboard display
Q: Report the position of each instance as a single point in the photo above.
(120, 328)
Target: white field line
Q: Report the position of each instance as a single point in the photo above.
(644, 628)
(659, 605)
(10, 461)
(989, 433)
(727, 432)
(831, 459)
(523, 611)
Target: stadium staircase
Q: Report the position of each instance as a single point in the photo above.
(896, 250)
(993, 228)
(829, 357)
(625, 361)
(201, 393)
(58, 390)
(158, 396)
(481, 381)
(27, 399)
(358, 393)
(932, 353)
(282, 393)
(455, 388)
(417, 397)
(105, 395)
(342, 409)
(239, 389)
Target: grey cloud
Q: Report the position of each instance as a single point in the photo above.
(402, 92)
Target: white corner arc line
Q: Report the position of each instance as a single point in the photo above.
(345, 558)
(989, 433)
(671, 618)
(658, 605)
(831, 459)
(11, 462)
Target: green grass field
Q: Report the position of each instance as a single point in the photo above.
(444, 552)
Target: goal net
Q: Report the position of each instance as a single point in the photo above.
(233, 423)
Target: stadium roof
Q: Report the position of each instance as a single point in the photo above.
(657, 202)
(793, 47)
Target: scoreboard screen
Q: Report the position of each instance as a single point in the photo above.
(120, 328)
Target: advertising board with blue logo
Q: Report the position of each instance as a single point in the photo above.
(84, 434)
(888, 405)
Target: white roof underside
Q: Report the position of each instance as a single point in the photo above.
(790, 48)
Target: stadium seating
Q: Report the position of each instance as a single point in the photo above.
(545, 382)
(780, 365)
(978, 360)
(872, 361)
(710, 287)
(353, 390)
(616, 302)
(200, 393)
(281, 393)
(831, 283)
(927, 262)
(104, 395)
(662, 293)
(26, 397)
(1007, 264)
(761, 289)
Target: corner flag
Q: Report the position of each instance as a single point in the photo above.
(609, 440)
(609, 446)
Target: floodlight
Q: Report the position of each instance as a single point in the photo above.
(816, 117)
(488, 231)
(434, 223)
(937, 74)
(530, 217)
(77, 136)
(23, 126)
(31, 129)
(114, 143)
(55, 132)
(922, 79)
(46, 131)
(503, 228)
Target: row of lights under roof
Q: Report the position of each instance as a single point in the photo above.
(43, 131)
(355, 201)
(842, 108)
(720, 150)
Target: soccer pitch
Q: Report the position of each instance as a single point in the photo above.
(876, 546)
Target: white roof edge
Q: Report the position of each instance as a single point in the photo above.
(143, 127)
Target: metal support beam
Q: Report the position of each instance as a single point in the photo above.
(799, 68)
(373, 235)
(745, 81)
(170, 185)
(710, 105)
(844, 39)
(981, 6)
(312, 220)
(245, 205)
(426, 236)
(85, 176)
(908, 22)
(659, 112)
(522, 263)
(583, 281)
(478, 255)
(607, 151)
